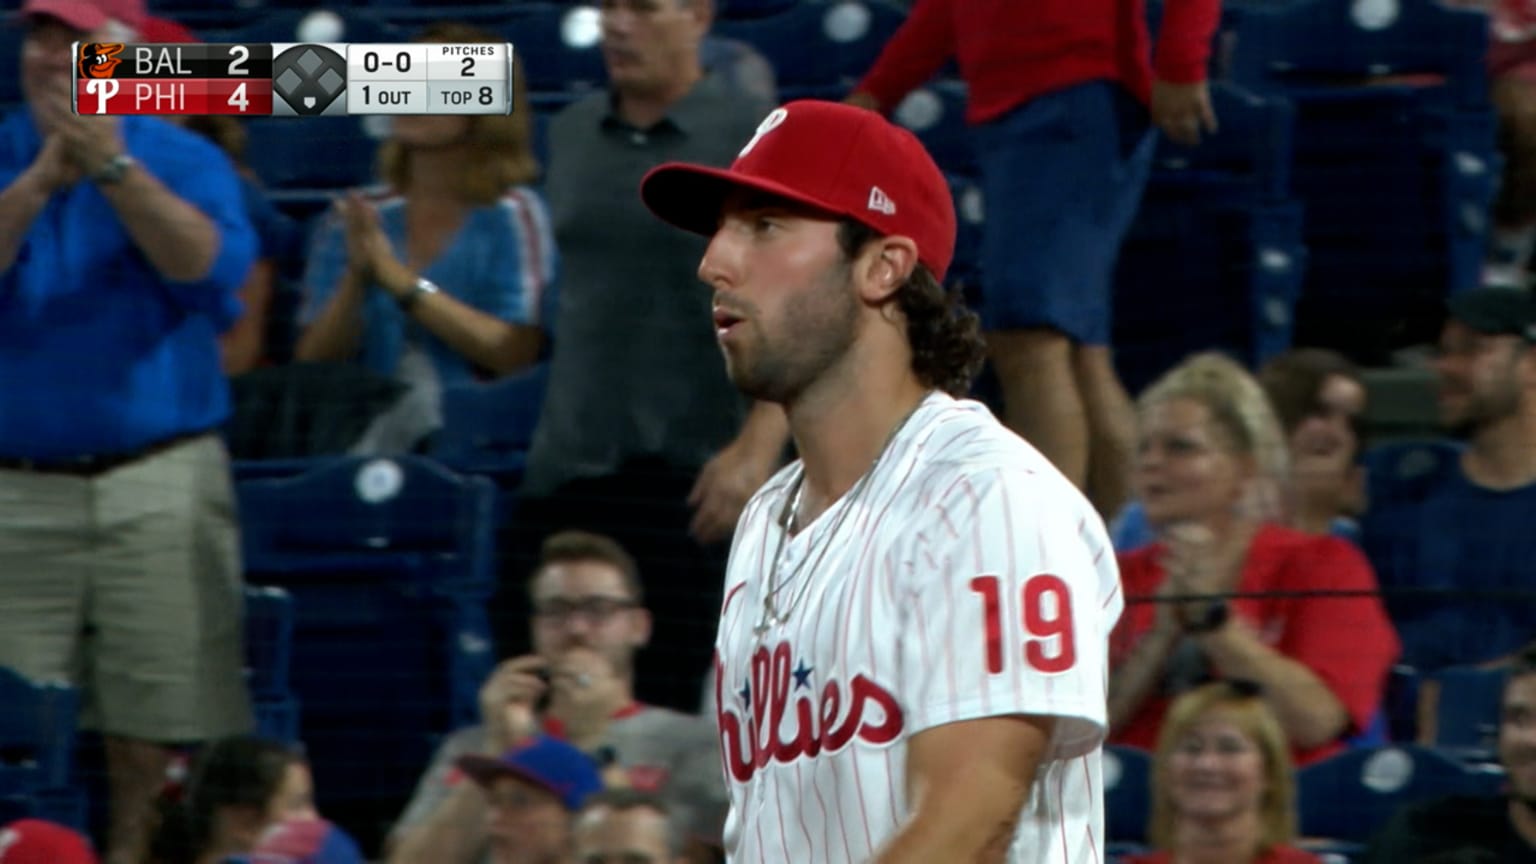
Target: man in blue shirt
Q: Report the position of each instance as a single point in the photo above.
(1448, 527)
(122, 244)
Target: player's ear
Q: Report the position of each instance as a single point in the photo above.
(884, 267)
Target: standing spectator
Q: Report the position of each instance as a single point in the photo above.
(642, 437)
(122, 244)
(589, 620)
(1449, 529)
(1059, 92)
(1223, 791)
(442, 278)
(1322, 661)
(1498, 830)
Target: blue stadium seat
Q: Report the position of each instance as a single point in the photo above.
(819, 49)
(1250, 155)
(1127, 794)
(1395, 154)
(11, 35)
(1216, 256)
(560, 51)
(284, 152)
(751, 8)
(1467, 710)
(970, 215)
(37, 746)
(390, 563)
(277, 718)
(1349, 796)
(349, 24)
(268, 639)
(935, 113)
(1320, 44)
(408, 518)
(489, 427)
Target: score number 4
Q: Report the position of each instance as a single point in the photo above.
(1042, 622)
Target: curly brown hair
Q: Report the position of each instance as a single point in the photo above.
(945, 335)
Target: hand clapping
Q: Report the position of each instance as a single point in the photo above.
(369, 253)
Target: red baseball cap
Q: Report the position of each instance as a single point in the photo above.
(88, 15)
(840, 159)
(32, 841)
(156, 29)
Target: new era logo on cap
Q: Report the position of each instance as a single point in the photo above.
(833, 158)
(880, 202)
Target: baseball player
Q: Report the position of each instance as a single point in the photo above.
(911, 660)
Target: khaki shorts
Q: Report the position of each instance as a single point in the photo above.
(128, 585)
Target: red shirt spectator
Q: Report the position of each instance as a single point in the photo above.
(1346, 641)
(1010, 52)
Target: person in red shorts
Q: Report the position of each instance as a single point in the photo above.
(1209, 446)
(1222, 789)
(1062, 97)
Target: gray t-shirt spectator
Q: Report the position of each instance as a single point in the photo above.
(674, 755)
(636, 371)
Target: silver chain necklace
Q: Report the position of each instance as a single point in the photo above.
(772, 614)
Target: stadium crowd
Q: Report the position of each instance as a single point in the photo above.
(1299, 593)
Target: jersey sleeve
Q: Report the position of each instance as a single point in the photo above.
(526, 260)
(1011, 592)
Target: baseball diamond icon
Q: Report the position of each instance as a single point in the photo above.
(309, 79)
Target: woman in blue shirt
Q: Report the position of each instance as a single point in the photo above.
(439, 277)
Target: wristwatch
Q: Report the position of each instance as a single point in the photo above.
(410, 298)
(113, 171)
(1211, 619)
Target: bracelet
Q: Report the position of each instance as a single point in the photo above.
(113, 171)
(1212, 618)
(409, 299)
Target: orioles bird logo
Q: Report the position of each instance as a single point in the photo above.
(99, 59)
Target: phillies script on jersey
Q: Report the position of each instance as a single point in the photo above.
(968, 580)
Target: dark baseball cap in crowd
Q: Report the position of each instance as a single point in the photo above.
(33, 841)
(835, 158)
(549, 763)
(88, 15)
(1496, 311)
(302, 841)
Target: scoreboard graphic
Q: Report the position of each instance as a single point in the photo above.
(292, 79)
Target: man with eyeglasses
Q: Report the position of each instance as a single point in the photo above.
(589, 619)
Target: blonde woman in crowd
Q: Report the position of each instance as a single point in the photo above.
(1222, 784)
(1305, 622)
(441, 278)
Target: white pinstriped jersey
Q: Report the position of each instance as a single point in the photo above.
(969, 579)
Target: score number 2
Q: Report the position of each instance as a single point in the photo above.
(1041, 624)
